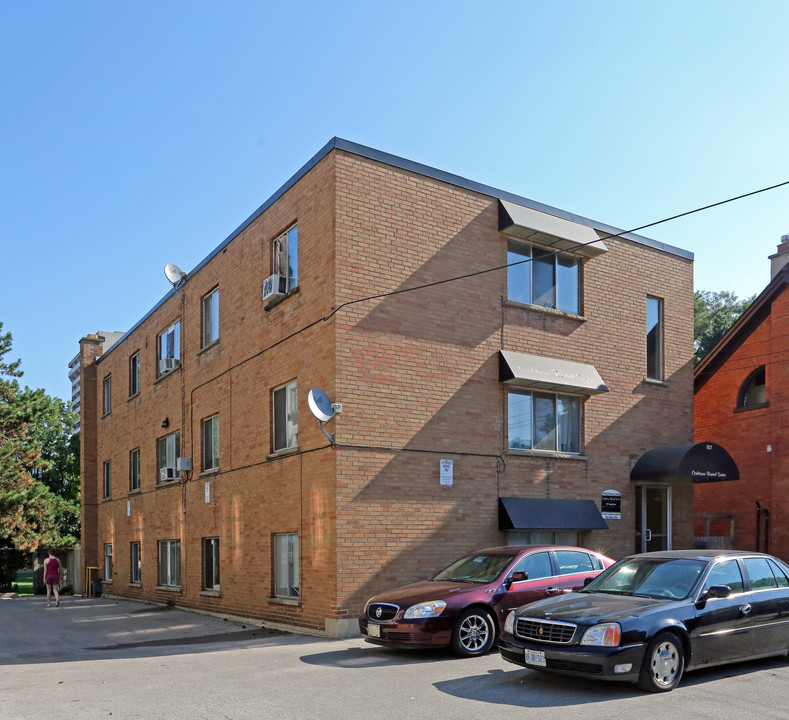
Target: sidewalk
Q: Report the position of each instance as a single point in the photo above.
(85, 628)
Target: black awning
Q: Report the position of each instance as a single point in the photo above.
(700, 462)
(546, 514)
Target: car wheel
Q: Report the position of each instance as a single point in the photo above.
(474, 633)
(664, 664)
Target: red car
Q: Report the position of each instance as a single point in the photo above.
(464, 606)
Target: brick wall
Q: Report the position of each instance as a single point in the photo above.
(417, 374)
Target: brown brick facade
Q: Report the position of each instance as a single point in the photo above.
(417, 375)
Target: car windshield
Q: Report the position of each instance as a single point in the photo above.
(475, 568)
(664, 578)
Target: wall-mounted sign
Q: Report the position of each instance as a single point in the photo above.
(446, 471)
(611, 505)
(208, 492)
(128, 508)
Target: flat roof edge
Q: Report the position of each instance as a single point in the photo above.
(421, 169)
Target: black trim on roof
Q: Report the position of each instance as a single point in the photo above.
(409, 165)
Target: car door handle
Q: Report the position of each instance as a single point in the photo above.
(745, 609)
(554, 590)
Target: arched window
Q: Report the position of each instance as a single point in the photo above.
(753, 391)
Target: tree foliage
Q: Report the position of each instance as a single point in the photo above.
(39, 469)
(714, 314)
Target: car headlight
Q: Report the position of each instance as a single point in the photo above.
(509, 623)
(431, 608)
(607, 634)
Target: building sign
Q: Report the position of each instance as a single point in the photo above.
(446, 472)
(208, 492)
(611, 505)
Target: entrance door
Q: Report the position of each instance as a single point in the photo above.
(653, 518)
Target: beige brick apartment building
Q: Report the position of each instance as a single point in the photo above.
(208, 483)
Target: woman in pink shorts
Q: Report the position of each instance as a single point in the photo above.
(52, 578)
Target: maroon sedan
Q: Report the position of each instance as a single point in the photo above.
(465, 605)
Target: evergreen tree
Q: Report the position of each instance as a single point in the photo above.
(714, 314)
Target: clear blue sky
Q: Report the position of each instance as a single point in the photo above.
(136, 134)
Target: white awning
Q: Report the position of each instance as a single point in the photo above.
(549, 373)
(555, 232)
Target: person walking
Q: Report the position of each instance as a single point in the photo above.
(52, 578)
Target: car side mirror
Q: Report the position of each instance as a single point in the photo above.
(718, 591)
(517, 576)
(587, 580)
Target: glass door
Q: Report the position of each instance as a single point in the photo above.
(653, 518)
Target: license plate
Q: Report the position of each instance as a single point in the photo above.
(374, 630)
(535, 657)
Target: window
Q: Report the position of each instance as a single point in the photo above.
(725, 573)
(537, 565)
(210, 435)
(169, 348)
(572, 561)
(169, 570)
(211, 318)
(107, 562)
(753, 392)
(286, 565)
(654, 338)
(285, 417)
(544, 421)
(286, 257)
(108, 479)
(168, 449)
(134, 374)
(761, 575)
(545, 278)
(134, 470)
(135, 571)
(107, 396)
(211, 563)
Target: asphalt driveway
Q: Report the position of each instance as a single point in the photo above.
(97, 657)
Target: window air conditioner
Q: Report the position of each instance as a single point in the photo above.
(183, 464)
(167, 473)
(274, 286)
(167, 364)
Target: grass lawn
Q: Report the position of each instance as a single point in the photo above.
(24, 579)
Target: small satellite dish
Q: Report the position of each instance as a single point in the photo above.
(173, 273)
(320, 405)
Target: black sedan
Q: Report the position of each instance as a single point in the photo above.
(650, 617)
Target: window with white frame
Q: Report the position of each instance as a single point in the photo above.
(543, 277)
(211, 318)
(169, 568)
(210, 436)
(135, 569)
(134, 470)
(285, 262)
(168, 449)
(285, 418)
(107, 562)
(107, 475)
(286, 565)
(134, 374)
(106, 406)
(211, 563)
(654, 338)
(168, 352)
(543, 421)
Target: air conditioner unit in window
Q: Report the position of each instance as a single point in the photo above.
(274, 286)
(167, 364)
(183, 464)
(167, 473)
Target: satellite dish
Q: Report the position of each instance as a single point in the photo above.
(320, 405)
(173, 273)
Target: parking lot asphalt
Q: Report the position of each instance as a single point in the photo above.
(98, 657)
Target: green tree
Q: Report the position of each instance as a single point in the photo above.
(714, 314)
(39, 482)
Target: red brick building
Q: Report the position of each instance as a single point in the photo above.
(741, 398)
(469, 390)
